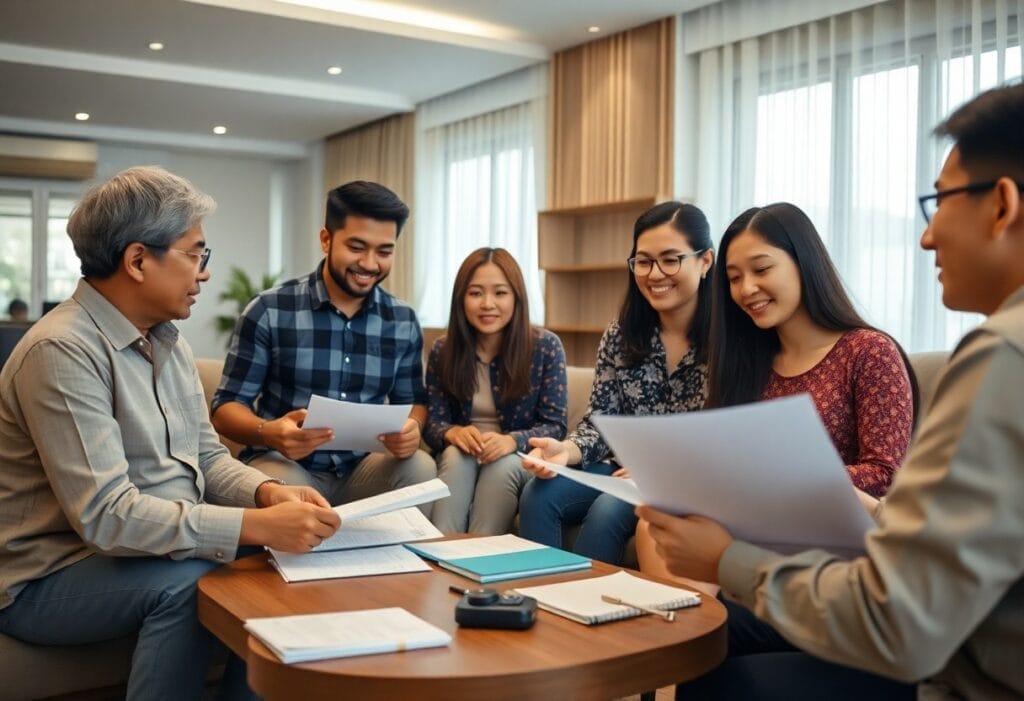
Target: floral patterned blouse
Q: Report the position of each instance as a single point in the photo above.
(862, 392)
(541, 413)
(637, 390)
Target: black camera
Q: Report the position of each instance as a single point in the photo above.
(486, 608)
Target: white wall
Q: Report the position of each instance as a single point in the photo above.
(258, 199)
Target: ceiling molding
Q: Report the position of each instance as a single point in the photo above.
(166, 139)
(479, 35)
(208, 77)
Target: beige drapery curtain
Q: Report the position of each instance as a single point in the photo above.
(382, 151)
(611, 118)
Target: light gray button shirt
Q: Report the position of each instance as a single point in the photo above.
(104, 450)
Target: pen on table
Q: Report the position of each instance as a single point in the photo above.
(663, 615)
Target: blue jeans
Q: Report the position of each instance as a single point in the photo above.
(607, 523)
(102, 597)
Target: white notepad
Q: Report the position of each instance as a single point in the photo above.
(580, 599)
(322, 636)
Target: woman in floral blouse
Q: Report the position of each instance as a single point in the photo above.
(651, 361)
(493, 382)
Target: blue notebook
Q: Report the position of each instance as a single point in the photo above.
(494, 558)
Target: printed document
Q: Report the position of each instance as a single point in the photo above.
(624, 489)
(322, 636)
(337, 564)
(401, 498)
(767, 471)
(356, 426)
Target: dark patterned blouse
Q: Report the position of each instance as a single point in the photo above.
(541, 413)
(862, 391)
(637, 390)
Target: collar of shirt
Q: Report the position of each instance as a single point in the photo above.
(319, 297)
(114, 325)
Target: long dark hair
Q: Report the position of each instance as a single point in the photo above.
(637, 319)
(741, 353)
(457, 366)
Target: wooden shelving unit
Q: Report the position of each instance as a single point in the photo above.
(583, 253)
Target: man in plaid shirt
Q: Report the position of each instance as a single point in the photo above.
(333, 333)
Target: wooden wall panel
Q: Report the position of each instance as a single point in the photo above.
(611, 118)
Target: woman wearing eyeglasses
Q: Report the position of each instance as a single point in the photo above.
(652, 360)
(784, 325)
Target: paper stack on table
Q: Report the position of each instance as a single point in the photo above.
(323, 636)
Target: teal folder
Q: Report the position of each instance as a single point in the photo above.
(514, 565)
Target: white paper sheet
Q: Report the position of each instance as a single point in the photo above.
(476, 547)
(336, 564)
(343, 634)
(389, 528)
(767, 471)
(624, 489)
(414, 494)
(356, 426)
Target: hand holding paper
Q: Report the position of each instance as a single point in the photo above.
(691, 546)
(620, 487)
(356, 426)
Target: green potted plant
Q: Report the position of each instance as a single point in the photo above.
(241, 291)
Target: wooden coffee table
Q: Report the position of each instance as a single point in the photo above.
(557, 658)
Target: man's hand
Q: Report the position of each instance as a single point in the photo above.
(286, 435)
(270, 493)
(691, 546)
(405, 442)
(292, 526)
(495, 445)
(465, 438)
(550, 450)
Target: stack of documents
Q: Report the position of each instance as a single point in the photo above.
(323, 636)
(581, 599)
(368, 541)
(493, 558)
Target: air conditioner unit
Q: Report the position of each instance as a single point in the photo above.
(33, 157)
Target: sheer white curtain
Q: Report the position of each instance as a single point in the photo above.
(835, 116)
(479, 165)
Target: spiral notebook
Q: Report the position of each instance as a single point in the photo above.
(580, 599)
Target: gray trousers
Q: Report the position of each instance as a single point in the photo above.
(484, 498)
(376, 473)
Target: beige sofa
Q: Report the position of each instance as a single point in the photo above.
(78, 671)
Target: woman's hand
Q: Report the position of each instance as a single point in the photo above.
(549, 450)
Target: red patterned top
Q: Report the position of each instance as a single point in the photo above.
(862, 392)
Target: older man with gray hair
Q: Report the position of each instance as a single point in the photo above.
(115, 493)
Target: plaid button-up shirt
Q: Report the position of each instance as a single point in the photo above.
(291, 343)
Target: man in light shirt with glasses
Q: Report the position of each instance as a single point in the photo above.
(115, 492)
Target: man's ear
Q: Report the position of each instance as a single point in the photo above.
(1010, 213)
(132, 261)
(325, 240)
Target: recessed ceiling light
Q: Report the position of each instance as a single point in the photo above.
(594, 29)
(81, 116)
(156, 46)
(334, 70)
(220, 130)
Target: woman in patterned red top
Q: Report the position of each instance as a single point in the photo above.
(783, 324)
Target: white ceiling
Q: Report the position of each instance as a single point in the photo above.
(259, 66)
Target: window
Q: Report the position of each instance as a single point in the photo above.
(483, 194)
(37, 260)
(838, 115)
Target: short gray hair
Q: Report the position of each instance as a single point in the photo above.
(145, 204)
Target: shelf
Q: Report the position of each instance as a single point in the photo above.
(586, 268)
(640, 203)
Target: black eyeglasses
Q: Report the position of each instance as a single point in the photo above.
(668, 265)
(930, 203)
(204, 257)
